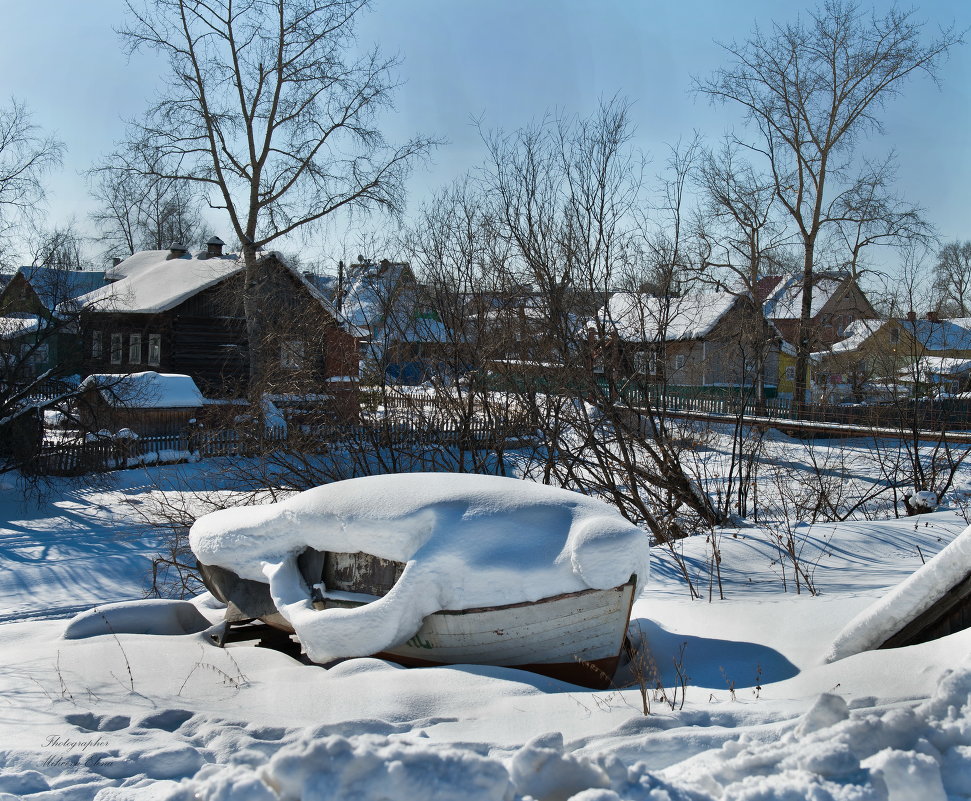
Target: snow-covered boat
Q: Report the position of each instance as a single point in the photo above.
(434, 569)
(576, 636)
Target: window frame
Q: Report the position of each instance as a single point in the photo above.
(135, 342)
(154, 357)
(116, 352)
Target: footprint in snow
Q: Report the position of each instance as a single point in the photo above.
(92, 722)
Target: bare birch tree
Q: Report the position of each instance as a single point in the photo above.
(269, 110)
(812, 89)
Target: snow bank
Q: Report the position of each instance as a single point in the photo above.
(919, 752)
(913, 596)
(137, 617)
(466, 541)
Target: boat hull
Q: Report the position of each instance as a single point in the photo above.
(576, 637)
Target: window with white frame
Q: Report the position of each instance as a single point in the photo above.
(96, 345)
(640, 362)
(894, 336)
(291, 354)
(791, 373)
(155, 349)
(134, 348)
(679, 361)
(652, 363)
(116, 348)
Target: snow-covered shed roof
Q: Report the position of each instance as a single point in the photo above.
(148, 390)
(55, 286)
(908, 600)
(647, 318)
(784, 301)
(151, 281)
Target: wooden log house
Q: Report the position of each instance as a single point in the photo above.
(175, 312)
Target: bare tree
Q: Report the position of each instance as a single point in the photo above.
(952, 278)
(811, 89)
(26, 155)
(737, 227)
(142, 210)
(266, 111)
(61, 247)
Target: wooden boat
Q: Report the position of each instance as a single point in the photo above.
(576, 637)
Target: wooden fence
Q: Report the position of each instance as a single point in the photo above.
(945, 414)
(77, 458)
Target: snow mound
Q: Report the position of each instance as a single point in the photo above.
(146, 390)
(466, 541)
(913, 596)
(138, 617)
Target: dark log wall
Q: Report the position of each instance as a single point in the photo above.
(208, 340)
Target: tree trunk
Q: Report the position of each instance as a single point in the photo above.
(804, 336)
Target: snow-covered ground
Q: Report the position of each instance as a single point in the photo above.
(112, 712)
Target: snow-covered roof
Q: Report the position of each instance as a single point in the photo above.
(911, 598)
(857, 333)
(941, 365)
(647, 318)
(150, 282)
(784, 302)
(934, 335)
(468, 541)
(379, 298)
(55, 286)
(148, 390)
(13, 327)
(371, 292)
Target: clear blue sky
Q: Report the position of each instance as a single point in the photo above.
(504, 61)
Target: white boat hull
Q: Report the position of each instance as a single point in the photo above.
(577, 637)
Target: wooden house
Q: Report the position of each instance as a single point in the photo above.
(174, 312)
(837, 301)
(895, 357)
(402, 336)
(710, 339)
(38, 325)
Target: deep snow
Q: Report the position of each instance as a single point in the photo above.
(114, 712)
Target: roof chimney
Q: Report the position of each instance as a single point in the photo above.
(176, 251)
(932, 317)
(912, 316)
(116, 261)
(214, 247)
